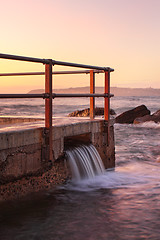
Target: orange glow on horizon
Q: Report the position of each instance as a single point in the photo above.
(90, 32)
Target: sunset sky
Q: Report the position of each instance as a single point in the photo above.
(122, 34)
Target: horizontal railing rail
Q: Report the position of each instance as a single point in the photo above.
(22, 58)
(79, 95)
(43, 73)
(40, 95)
(55, 95)
(54, 62)
(49, 95)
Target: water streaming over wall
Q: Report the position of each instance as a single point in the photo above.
(85, 162)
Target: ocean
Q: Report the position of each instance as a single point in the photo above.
(121, 204)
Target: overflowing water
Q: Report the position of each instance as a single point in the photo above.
(121, 203)
(85, 162)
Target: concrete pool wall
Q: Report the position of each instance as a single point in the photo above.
(23, 152)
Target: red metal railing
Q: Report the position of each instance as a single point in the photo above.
(49, 95)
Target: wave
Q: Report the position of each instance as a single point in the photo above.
(149, 124)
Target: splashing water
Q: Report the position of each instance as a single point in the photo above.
(85, 162)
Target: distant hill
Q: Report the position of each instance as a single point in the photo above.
(114, 90)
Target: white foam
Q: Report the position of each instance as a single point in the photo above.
(129, 176)
(109, 180)
(149, 124)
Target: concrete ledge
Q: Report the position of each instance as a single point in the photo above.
(20, 138)
(22, 149)
(13, 120)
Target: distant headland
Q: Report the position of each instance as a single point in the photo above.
(117, 91)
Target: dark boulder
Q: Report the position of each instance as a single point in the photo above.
(86, 112)
(155, 117)
(156, 114)
(131, 115)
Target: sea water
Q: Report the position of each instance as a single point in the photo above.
(122, 203)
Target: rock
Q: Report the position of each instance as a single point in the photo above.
(142, 119)
(155, 117)
(131, 115)
(156, 114)
(112, 112)
(86, 112)
(158, 159)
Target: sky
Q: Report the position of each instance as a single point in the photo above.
(122, 34)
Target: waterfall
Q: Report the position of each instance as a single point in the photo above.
(85, 162)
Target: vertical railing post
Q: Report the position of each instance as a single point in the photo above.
(48, 109)
(107, 101)
(92, 90)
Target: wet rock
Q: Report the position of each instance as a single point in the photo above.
(86, 112)
(155, 117)
(158, 160)
(131, 115)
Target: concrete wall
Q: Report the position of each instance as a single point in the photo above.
(22, 152)
(12, 120)
(95, 132)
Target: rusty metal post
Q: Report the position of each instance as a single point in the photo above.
(107, 99)
(92, 90)
(107, 102)
(48, 109)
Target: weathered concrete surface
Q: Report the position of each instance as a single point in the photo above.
(12, 120)
(105, 146)
(22, 152)
(58, 174)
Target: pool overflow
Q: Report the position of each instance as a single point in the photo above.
(84, 161)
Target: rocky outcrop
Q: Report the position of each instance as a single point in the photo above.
(131, 115)
(86, 112)
(154, 117)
